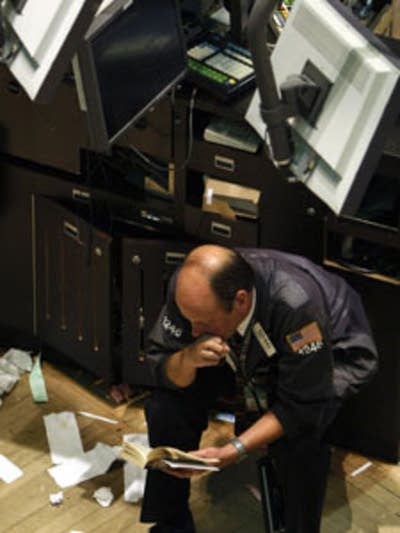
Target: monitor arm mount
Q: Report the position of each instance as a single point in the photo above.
(300, 95)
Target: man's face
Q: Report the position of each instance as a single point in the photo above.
(198, 304)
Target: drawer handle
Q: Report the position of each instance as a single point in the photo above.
(222, 230)
(224, 163)
(81, 195)
(71, 231)
(174, 258)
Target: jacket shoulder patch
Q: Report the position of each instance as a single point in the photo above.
(306, 340)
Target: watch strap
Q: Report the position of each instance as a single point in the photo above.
(240, 447)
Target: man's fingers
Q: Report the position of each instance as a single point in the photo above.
(210, 357)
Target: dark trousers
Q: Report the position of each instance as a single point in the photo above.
(301, 467)
(177, 418)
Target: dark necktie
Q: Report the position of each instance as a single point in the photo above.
(236, 342)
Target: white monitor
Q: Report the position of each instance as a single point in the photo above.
(41, 38)
(337, 156)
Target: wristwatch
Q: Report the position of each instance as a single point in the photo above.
(240, 447)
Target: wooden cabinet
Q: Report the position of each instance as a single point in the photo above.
(365, 250)
(288, 218)
(51, 134)
(73, 286)
(147, 265)
(370, 421)
(19, 183)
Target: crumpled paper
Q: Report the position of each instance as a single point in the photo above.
(12, 364)
(103, 496)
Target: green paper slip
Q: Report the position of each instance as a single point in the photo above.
(37, 383)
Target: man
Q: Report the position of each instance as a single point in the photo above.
(306, 343)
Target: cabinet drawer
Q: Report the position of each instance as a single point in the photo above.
(147, 265)
(51, 134)
(73, 288)
(215, 228)
(231, 164)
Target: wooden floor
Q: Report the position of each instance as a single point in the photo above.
(222, 502)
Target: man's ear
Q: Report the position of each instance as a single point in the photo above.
(242, 299)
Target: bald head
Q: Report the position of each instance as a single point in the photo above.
(209, 259)
(214, 282)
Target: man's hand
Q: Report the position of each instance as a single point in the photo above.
(181, 367)
(206, 351)
(225, 455)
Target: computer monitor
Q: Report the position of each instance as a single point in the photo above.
(133, 53)
(336, 154)
(41, 37)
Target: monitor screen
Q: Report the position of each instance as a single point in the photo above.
(133, 53)
(337, 154)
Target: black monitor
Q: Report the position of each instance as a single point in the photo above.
(133, 53)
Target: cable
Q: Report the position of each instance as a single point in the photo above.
(190, 130)
(164, 168)
(147, 160)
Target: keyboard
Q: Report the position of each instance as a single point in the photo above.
(221, 67)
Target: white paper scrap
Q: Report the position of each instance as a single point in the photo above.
(104, 496)
(87, 466)
(360, 469)
(71, 472)
(20, 358)
(7, 382)
(63, 436)
(134, 476)
(7, 367)
(98, 417)
(56, 498)
(8, 470)
(134, 482)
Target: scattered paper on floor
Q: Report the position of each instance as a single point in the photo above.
(12, 364)
(98, 417)
(37, 382)
(63, 436)
(7, 382)
(20, 358)
(81, 468)
(56, 498)
(360, 469)
(8, 470)
(104, 496)
(134, 476)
